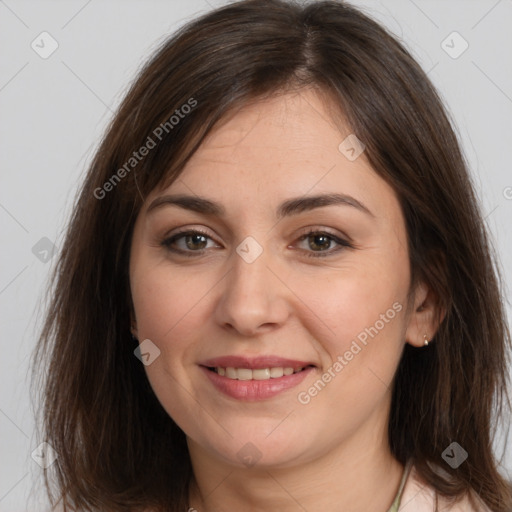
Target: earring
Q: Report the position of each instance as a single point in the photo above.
(426, 341)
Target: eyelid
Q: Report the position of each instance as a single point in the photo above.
(342, 241)
(181, 232)
(189, 229)
(322, 229)
(303, 231)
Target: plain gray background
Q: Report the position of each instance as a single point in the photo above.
(55, 109)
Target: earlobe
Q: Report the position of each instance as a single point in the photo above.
(425, 318)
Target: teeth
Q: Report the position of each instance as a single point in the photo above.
(256, 374)
(231, 373)
(275, 373)
(260, 374)
(244, 373)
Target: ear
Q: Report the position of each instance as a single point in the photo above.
(425, 317)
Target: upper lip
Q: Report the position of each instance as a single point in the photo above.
(254, 362)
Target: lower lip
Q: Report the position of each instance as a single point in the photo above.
(253, 390)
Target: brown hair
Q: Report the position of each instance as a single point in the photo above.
(118, 449)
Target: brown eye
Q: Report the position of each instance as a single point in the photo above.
(320, 243)
(195, 241)
(187, 242)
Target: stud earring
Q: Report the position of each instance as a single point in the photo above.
(426, 341)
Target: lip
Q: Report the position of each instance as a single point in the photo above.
(255, 362)
(255, 390)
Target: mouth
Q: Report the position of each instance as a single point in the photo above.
(275, 372)
(257, 378)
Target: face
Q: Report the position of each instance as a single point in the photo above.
(258, 285)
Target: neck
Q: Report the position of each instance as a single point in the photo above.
(356, 475)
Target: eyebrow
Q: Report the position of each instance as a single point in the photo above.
(289, 207)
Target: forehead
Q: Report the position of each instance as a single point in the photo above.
(288, 145)
(288, 126)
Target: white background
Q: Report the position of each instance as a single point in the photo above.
(54, 110)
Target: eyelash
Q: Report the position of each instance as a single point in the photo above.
(312, 254)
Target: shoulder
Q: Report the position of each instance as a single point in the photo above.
(418, 496)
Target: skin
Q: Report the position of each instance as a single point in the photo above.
(331, 454)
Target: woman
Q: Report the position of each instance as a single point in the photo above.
(276, 291)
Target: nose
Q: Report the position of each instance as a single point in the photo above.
(253, 299)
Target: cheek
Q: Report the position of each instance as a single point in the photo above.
(169, 305)
(358, 298)
(362, 354)
(364, 310)
(169, 312)
(366, 327)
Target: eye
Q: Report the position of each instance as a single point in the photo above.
(194, 242)
(319, 243)
(188, 242)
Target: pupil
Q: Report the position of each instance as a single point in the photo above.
(321, 245)
(195, 241)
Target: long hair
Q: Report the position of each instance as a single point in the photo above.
(117, 447)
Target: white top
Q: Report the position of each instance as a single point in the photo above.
(418, 496)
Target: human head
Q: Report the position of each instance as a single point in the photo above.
(234, 56)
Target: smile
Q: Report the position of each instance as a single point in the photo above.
(255, 384)
(255, 373)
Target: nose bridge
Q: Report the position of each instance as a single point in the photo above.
(249, 269)
(252, 295)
